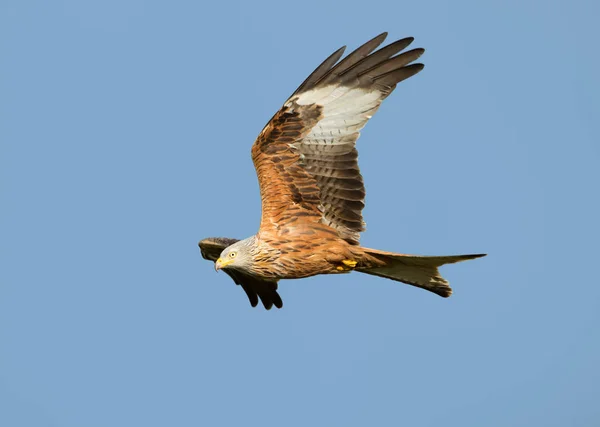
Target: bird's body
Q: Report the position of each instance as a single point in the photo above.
(311, 188)
(306, 251)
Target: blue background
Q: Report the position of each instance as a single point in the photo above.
(125, 131)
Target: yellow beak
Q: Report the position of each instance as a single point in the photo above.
(220, 263)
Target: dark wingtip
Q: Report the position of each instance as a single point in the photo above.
(418, 66)
(271, 300)
(277, 301)
(419, 50)
(381, 36)
(406, 41)
(444, 293)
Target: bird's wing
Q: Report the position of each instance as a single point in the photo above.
(254, 287)
(305, 157)
(212, 247)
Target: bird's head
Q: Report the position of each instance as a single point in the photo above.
(237, 256)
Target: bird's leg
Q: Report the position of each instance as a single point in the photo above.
(347, 265)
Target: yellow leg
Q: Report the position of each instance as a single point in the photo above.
(349, 263)
(340, 268)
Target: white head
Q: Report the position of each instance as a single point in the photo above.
(237, 256)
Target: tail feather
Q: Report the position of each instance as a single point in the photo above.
(420, 271)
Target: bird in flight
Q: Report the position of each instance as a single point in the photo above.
(311, 188)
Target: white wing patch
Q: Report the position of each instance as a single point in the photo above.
(346, 111)
(315, 96)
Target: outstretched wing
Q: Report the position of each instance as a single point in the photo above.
(305, 157)
(254, 287)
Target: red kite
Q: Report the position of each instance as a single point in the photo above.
(310, 184)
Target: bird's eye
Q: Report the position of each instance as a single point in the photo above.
(232, 254)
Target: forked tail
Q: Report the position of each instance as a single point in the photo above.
(420, 271)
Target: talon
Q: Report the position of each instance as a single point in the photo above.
(349, 263)
(340, 268)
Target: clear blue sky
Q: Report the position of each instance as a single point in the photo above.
(125, 131)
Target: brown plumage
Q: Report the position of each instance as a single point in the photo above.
(310, 184)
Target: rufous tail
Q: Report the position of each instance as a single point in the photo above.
(420, 271)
